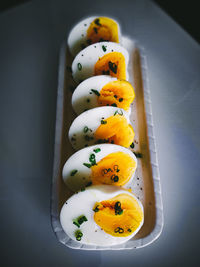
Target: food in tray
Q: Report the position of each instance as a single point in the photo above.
(101, 125)
(100, 164)
(102, 90)
(105, 58)
(102, 215)
(92, 30)
(101, 212)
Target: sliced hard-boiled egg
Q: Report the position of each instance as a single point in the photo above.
(102, 90)
(102, 215)
(92, 30)
(101, 125)
(100, 164)
(105, 58)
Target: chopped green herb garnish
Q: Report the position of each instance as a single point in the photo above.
(138, 155)
(89, 183)
(97, 22)
(73, 172)
(87, 165)
(112, 66)
(119, 230)
(115, 178)
(89, 41)
(106, 72)
(121, 99)
(82, 219)
(104, 48)
(118, 209)
(114, 105)
(95, 30)
(129, 230)
(103, 122)
(96, 150)
(115, 96)
(76, 223)
(85, 129)
(120, 112)
(95, 92)
(79, 66)
(78, 235)
(132, 145)
(92, 159)
(88, 138)
(96, 209)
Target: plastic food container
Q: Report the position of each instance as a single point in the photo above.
(146, 184)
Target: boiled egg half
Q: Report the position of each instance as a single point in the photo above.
(102, 215)
(101, 125)
(105, 58)
(102, 90)
(100, 164)
(92, 30)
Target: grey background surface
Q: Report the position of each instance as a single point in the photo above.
(30, 38)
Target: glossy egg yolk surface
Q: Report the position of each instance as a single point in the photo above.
(118, 216)
(118, 92)
(103, 29)
(116, 168)
(116, 130)
(112, 64)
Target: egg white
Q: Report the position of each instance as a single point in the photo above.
(83, 203)
(88, 57)
(92, 119)
(78, 35)
(83, 98)
(83, 175)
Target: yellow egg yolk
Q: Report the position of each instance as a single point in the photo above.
(119, 216)
(118, 92)
(116, 130)
(103, 29)
(116, 168)
(112, 64)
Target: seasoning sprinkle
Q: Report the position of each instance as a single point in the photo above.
(73, 172)
(79, 66)
(121, 99)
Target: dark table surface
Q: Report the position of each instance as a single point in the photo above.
(31, 35)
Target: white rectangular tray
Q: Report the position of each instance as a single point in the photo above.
(146, 184)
